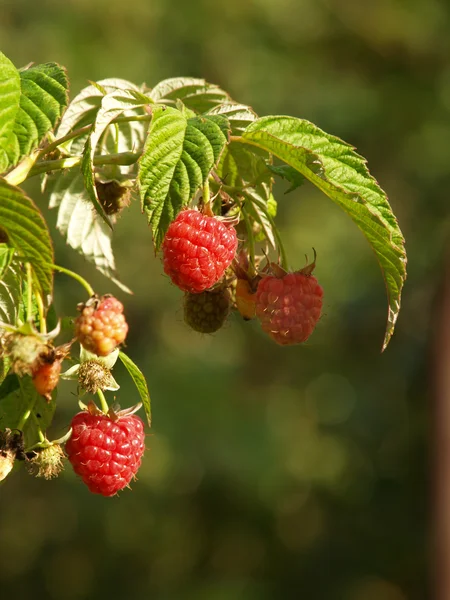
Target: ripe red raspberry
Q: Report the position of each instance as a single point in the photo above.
(289, 306)
(101, 326)
(106, 453)
(46, 377)
(197, 250)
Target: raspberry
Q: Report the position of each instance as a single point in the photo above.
(93, 375)
(105, 453)
(245, 299)
(47, 462)
(24, 351)
(112, 196)
(101, 326)
(197, 250)
(46, 377)
(208, 311)
(289, 306)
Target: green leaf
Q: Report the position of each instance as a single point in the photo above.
(112, 105)
(4, 368)
(197, 94)
(27, 234)
(89, 182)
(9, 385)
(140, 383)
(9, 105)
(336, 169)
(248, 181)
(287, 172)
(239, 115)
(10, 293)
(44, 92)
(83, 110)
(82, 227)
(15, 402)
(178, 157)
(6, 256)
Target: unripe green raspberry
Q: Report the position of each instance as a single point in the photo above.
(48, 462)
(208, 311)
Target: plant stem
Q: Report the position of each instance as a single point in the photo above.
(73, 134)
(207, 208)
(41, 436)
(22, 170)
(103, 403)
(29, 292)
(128, 119)
(40, 305)
(27, 413)
(75, 276)
(123, 158)
(251, 241)
(281, 249)
(77, 132)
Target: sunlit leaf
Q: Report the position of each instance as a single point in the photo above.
(28, 234)
(336, 169)
(178, 157)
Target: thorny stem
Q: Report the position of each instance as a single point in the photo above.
(103, 403)
(75, 276)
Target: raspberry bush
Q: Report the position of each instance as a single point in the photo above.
(204, 168)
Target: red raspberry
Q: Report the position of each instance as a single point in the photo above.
(197, 250)
(101, 326)
(106, 453)
(46, 377)
(289, 306)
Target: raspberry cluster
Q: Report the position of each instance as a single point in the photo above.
(101, 325)
(106, 453)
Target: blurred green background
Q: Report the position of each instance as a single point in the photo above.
(271, 473)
